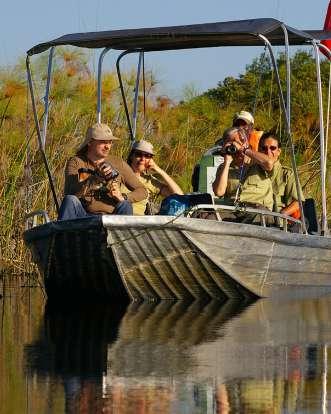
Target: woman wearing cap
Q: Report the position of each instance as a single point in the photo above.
(143, 165)
(93, 179)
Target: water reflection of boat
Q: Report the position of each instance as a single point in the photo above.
(79, 337)
(163, 336)
(265, 356)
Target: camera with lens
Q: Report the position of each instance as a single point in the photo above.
(113, 174)
(84, 173)
(230, 149)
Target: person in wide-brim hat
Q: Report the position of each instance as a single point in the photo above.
(99, 132)
(94, 179)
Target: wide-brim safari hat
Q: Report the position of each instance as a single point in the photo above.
(143, 146)
(100, 132)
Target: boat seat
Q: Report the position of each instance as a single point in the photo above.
(204, 172)
(310, 211)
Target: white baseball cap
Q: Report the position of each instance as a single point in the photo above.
(245, 116)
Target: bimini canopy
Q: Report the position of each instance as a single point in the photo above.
(233, 33)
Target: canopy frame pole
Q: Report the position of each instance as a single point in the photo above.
(288, 130)
(126, 52)
(328, 52)
(46, 97)
(99, 82)
(144, 88)
(324, 224)
(40, 142)
(288, 76)
(327, 122)
(136, 96)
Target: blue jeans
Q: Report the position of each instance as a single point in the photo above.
(71, 208)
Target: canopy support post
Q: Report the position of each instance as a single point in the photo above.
(288, 130)
(41, 148)
(122, 90)
(328, 52)
(102, 55)
(324, 224)
(46, 97)
(288, 77)
(136, 95)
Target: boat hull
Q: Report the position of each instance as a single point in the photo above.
(74, 259)
(161, 257)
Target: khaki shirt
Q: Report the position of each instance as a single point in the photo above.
(92, 193)
(256, 188)
(284, 187)
(153, 186)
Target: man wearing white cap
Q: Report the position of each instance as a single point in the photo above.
(243, 119)
(93, 179)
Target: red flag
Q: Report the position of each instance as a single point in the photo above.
(327, 26)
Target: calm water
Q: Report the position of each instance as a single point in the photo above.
(168, 358)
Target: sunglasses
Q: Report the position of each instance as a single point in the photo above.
(271, 147)
(239, 122)
(141, 154)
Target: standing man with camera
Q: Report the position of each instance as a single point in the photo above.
(93, 179)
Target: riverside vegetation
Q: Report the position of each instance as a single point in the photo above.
(180, 131)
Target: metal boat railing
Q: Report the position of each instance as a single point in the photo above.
(264, 215)
(282, 220)
(31, 219)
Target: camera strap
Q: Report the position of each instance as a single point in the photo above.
(242, 175)
(244, 134)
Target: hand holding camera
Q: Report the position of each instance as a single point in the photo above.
(107, 171)
(233, 148)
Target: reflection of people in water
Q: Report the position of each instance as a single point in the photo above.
(82, 395)
(137, 398)
(222, 399)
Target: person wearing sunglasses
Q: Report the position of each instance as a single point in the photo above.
(282, 178)
(154, 178)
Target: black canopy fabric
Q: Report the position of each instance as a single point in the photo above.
(233, 33)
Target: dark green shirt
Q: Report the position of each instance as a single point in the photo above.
(284, 187)
(256, 187)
